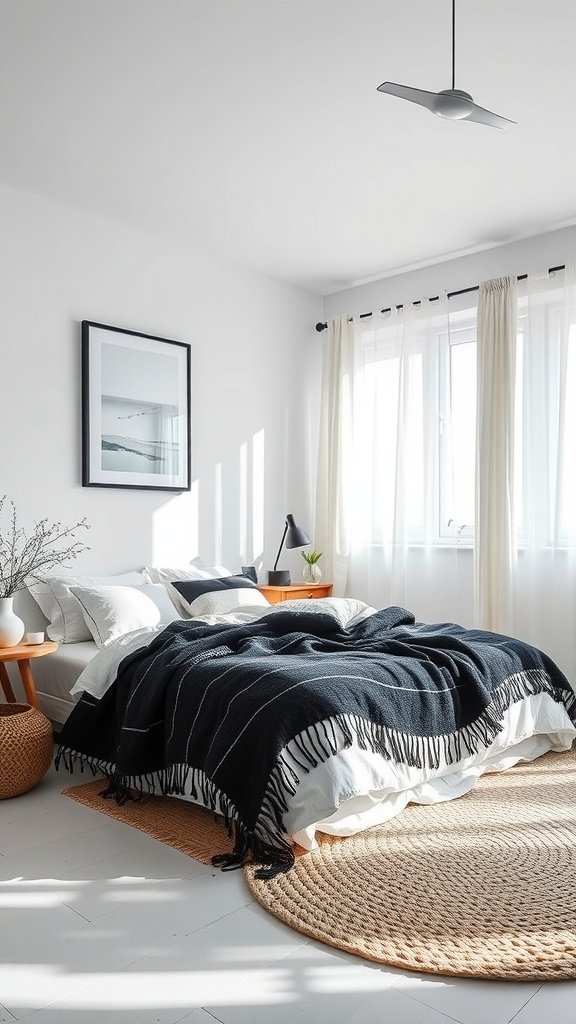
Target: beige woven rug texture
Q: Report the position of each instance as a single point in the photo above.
(178, 823)
(483, 886)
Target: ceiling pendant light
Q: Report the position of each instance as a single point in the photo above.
(452, 104)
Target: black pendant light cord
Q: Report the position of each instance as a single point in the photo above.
(453, 44)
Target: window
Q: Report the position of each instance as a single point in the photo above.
(545, 482)
(375, 441)
(414, 431)
(390, 416)
(414, 448)
(457, 384)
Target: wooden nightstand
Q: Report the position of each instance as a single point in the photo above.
(296, 592)
(22, 653)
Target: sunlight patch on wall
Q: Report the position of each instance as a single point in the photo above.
(218, 513)
(175, 533)
(258, 495)
(243, 503)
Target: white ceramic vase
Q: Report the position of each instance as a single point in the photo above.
(311, 573)
(11, 626)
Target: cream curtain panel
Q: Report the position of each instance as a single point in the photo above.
(376, 505)
(544, 593)
(332, 518)
(525, 528)
(494, 545)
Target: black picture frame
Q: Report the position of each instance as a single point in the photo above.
(144, 379)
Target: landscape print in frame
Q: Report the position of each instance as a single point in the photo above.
(135, 409)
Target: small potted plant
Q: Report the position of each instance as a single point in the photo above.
(25, 557)
(312, 572)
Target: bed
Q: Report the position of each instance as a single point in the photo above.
(56, 675)
(333, 769)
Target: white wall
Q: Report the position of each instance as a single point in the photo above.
(250, 337)
(532, 254)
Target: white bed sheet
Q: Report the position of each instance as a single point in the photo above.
(382, 789)
(56, 675)
(530, 728)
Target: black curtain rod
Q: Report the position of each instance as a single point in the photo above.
(435, 298)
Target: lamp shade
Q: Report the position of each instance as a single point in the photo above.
(293, 537)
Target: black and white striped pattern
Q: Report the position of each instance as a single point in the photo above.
(236, 713)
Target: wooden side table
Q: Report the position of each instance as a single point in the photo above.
(296, 592)
(23, 653)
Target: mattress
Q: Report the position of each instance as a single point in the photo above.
(56, 674)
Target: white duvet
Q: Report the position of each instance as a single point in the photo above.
(356, 789)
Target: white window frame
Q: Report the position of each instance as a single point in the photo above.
(443, 531)
(462, 330)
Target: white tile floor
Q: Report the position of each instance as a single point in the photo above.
(99, 924)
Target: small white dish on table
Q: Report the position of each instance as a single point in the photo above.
(34, 638)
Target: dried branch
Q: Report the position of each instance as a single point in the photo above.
(25, 557)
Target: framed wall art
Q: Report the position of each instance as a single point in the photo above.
(135, 410)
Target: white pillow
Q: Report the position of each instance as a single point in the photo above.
(60, 607)
(216, 596)
(110, 612)
(346, 610)
(167, 574)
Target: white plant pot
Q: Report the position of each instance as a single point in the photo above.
(11, 626)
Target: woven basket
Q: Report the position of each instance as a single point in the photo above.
(26, 746)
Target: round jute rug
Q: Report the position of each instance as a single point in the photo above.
(483, 886)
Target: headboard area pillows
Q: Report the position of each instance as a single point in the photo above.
(110, 612)
(60, 607)
(216, 596)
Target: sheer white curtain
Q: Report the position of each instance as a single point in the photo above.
(545, 477)
(378, 515)
(494, 545)
(398, 460)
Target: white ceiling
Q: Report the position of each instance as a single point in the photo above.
(253, 127)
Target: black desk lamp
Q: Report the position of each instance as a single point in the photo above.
(295, 538)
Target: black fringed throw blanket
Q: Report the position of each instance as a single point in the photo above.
(233, 713)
